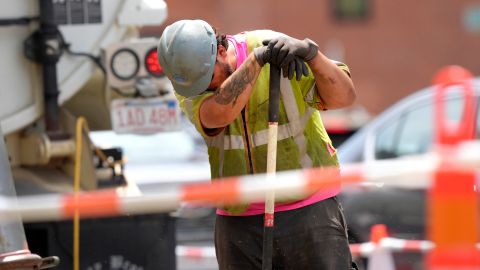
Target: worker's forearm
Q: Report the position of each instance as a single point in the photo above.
(230, 98)
(334, 86)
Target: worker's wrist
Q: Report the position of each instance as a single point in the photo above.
(312, 49)
(261, 55)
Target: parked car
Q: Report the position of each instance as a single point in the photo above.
(406, 128)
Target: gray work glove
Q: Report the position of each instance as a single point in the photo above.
(291, 65)
(284, 49)
(297, 65)
(284, 45)
(262, 54)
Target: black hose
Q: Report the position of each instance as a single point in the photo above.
(18, 21)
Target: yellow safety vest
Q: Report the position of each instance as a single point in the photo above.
(241, 148)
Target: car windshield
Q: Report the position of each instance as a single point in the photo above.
(411, 132)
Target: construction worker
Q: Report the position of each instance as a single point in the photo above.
(222, 83)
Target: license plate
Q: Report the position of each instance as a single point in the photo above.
(145, 116)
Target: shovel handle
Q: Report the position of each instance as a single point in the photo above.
(274, 94)
(268, 223)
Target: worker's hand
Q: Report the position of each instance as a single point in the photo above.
(284, 49)
(262, 54)
(291, 65)
(297, 65)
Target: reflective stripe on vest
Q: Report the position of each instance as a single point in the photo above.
(295, 122)
(294, 129)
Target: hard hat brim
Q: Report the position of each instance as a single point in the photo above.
(198, 87)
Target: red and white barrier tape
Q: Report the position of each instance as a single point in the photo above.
(357, 250)
(194, 252)
(413, 172)
(392, 244)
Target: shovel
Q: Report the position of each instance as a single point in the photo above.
(274, 92)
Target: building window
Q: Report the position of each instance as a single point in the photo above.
(471, 19)
(350, 10)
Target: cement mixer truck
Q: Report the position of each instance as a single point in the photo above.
(51, 51)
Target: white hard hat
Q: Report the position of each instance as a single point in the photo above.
(187, 51)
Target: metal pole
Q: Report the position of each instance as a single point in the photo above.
(268, 221)
(11, 231)
(50, 52)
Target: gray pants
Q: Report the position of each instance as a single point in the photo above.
(312, 237)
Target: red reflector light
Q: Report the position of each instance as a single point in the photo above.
(151, 63)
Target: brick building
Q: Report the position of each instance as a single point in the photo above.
(392, 48)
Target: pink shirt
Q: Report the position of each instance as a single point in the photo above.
(240, 44)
